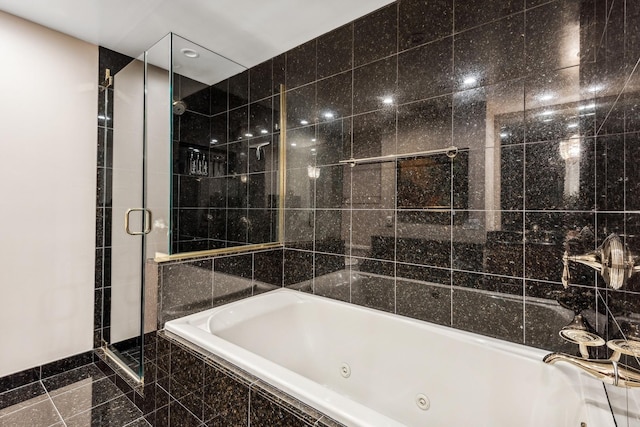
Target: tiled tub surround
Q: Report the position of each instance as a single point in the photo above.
(323, 352)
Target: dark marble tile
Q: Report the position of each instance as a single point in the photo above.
(21, 397)
(219, 97)
(196, 95)
(66, 364)
(261, 81)
(19, 379)
(471, 14)
(264, 225)
(194, 129)
(301, 64)
(261, 117)
(498, 316)
(373, 83)
(111, 59)
(560, 176)
(374, 292)
(548, 116)
(374, 134)
(375, 35)
(186, 287)
(559, 23)
(42, 413)
(372, 233)
(329, 224)
(489, 54)
(279, 71)
(225, 397)
(466, 256)
(424, 301)
(512, 177)
(545, 317)
(333, 141)
(425, 125)
(298, 266)
(426, 71)
(84, 395)
(66, 381)
(632, 178)
(334, 97)
(544, 245)
(301, 106)
(238, 126)
(264, 412)
(421, 22)
(433, 276)
(610, 173)
(219, 127)
(140, 422)
(239, 90)
(335, 51)
(268, 267)
(434, 251)
(370, 186)
(236, 265)
(504, 251)
(487, 282)
(329, 187)
(116, 412)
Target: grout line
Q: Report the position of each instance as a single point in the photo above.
(64, 423)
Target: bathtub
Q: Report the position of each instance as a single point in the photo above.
(367, 368)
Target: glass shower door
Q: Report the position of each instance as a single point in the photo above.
(129, 221)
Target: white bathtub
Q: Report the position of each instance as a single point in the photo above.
(304, 344)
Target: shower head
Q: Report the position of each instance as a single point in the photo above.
(179, 107)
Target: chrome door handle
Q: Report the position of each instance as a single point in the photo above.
(147, 221)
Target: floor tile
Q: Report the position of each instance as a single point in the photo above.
(85, 397)
(42, 414)
(69, 380)
(114, 413)
(20, 397)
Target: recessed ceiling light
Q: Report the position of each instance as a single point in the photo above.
(189, 53)
(313, 149)
(313, 140)
(304, 122)
(214, 141)
(388, 100)
(293, 144)
(263, 131)
(328, 115)
(504, 135)
(248, 135)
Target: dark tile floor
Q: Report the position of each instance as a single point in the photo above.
(76, 398)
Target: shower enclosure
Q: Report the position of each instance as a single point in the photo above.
(196, 167)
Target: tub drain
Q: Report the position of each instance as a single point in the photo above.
(423, 402)
(345, 370)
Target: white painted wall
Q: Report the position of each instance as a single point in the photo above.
(48, 116)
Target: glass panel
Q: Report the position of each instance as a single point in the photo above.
(124, 314)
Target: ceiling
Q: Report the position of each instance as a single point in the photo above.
(245, 31)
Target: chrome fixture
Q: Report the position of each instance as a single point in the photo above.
(451, 152)
(609, 371)
(179, 107)
(259, 148)
(616, 264)
(612, 260)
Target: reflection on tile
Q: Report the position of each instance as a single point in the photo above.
(301, 106)
(84, 395)
(68, 380)
(490, 53)
(334, 97)
(425, 125)
(298, 266)
(374, 292)
(40, 414)
(501, 315)
(374, 134)
(374, 83)
(424, 301)
(21, 397)
(117, 412)
(559, 24)
(426, 71)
